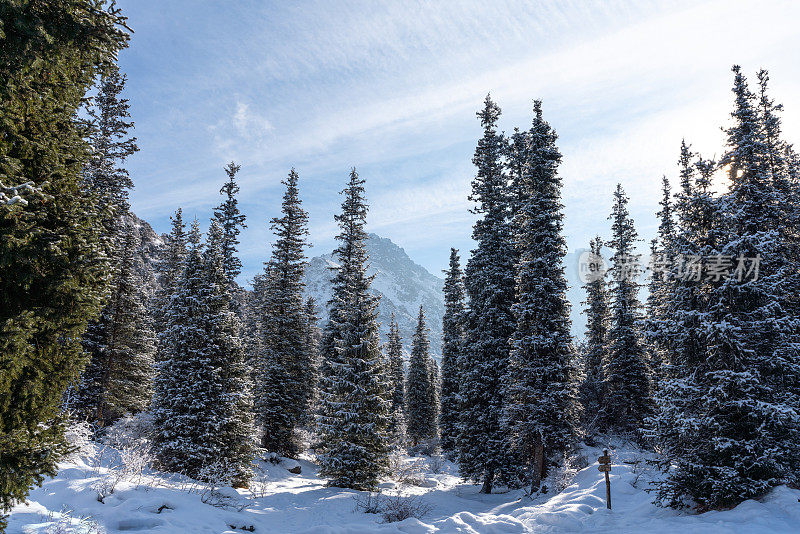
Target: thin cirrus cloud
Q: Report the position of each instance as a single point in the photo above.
(393, 87)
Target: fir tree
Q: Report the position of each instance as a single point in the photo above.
(489, 321)
(284, 370)
(596, 310)
(232, 222)
(739, 436)
(202, 400)
(626, 389)
(311, 363)
(118, 379)
(355, 405)
(53, 272)
(452, 353)
(421, 388)
(235, 432)
(105, 179)
(394, 359)
(170, 266)
(540, 400)
(661, 257)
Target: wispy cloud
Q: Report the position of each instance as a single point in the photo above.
(392, 88)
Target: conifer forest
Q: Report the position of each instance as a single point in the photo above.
(602, 333)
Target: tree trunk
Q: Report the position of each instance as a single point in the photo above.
(537, 467)
(488, 478)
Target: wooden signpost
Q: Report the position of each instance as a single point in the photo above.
(605, 467)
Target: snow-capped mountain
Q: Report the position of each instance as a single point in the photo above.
(402, 285)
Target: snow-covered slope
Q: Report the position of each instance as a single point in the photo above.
(281, 502)
(402, 285)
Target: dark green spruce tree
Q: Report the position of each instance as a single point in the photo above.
(105, 178)
(489, 320)
(118, 379)
(397, 376)
(170, 268)
(53, 273)
(739, 437)
(421, 406)
(108, 183)
(661, 258)
(626, 387)
(540, 404)
(452, 354)
(311, 346)
(284, 369)
(231, 219)
(355, 406)
(202, 405)
(596, 310)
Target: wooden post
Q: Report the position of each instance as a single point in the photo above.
(605, 467)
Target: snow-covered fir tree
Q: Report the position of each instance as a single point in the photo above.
(596, 310)
(355, 406)
(170, 268)
(397, 377)
(489, 320)
(231, 219)
(105, 178)
(123, 327)
(421, 409)
(738, 438)
(312, 334)
(284, 367)
(661, 257)
(452, 353)
(118, 379)
(626, 387)
(202, 405)
(236, 431)
(540, 401)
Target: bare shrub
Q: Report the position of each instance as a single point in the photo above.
(410, 473)
(260, 482)
(215, 489)
(369, 503)
(67, 523)
(79, 437)
(398, 508)
(436, 464)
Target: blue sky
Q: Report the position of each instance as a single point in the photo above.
(392, 88)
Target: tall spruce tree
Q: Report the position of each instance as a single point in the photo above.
(397, 377)
(421, 406)
(452, 353)
(597, 323)
(232, 222)
(678, 397)
(236, 433)
(355, 405)
(738, 435)
(202, 405)
(284, 369)
(118, 379)
(311, 362)
(661, 257)
(489, 320)
(105, 178)
(169, 268)
(52, 270)
(540, 404)
(626, 388)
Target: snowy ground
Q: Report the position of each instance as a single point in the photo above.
(284, 502)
